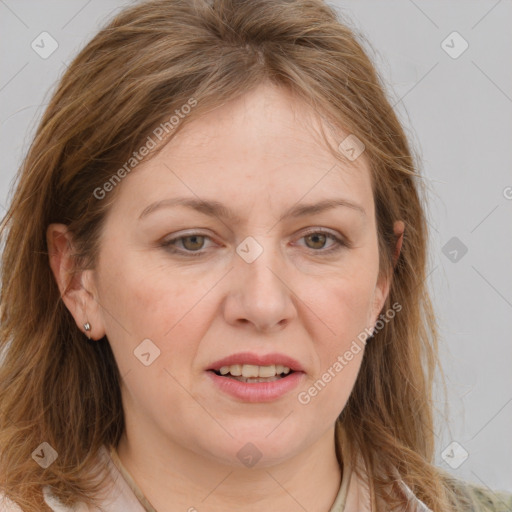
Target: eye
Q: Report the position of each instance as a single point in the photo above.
(191, 244)
(317, 239)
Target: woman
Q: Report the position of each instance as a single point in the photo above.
(213, 291)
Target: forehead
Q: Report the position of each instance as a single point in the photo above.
(263, 147)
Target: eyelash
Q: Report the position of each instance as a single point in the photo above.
(339, 244)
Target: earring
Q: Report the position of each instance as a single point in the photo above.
(87, 327)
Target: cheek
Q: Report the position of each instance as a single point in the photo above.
(344, 307)
(342, 301)
(172, 314)
(162, 305)
(144, 298)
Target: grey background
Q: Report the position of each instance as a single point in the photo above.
(457, 112)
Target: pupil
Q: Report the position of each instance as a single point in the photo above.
(315, 239)
(194, 238)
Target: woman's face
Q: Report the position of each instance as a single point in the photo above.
(263, 273)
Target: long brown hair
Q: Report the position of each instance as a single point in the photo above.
(57, 387)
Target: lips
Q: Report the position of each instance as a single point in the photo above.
(249, 358)
(250, 377)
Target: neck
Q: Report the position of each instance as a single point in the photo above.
(174, 478)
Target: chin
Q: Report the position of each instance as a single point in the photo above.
(257, 448)
(255, 455)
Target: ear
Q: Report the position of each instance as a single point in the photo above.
(384, 281)
(398, 229)
(77, 288)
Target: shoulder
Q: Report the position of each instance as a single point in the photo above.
(477, 498)
(6, 505)
(118, 498)
(487, 499)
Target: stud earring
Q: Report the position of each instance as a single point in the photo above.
(87, 327)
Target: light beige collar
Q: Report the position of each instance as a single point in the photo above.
(130, 481)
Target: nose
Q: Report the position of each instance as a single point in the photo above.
(259, 294)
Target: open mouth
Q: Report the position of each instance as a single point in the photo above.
(252, 378)
(251, 373)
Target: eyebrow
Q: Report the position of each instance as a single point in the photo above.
(217, 209)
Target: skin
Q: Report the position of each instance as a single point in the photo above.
(258, 155)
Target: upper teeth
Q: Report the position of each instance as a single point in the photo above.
(251, 370)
